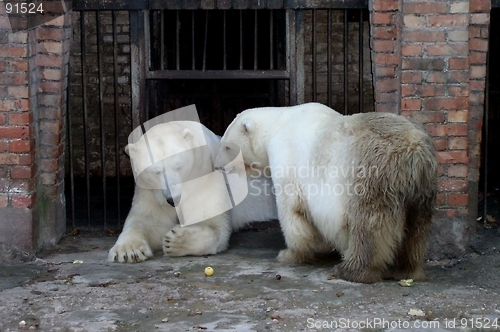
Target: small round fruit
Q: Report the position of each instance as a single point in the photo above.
(209, 271)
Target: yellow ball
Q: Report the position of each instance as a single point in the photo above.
(209, 271)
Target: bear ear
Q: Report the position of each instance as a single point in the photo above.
(246, 126)
(187, 133)
(127, 149)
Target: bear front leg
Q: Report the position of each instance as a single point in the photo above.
(301, 236)
(205, 238)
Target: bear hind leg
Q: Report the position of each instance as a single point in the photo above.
(410, 257)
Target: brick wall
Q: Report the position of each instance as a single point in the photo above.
(33, 67)
(438, 79)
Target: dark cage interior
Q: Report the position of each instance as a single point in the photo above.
(489, 183)
(223, 61)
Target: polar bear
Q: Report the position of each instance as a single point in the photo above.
(363, 185)
(182, 151)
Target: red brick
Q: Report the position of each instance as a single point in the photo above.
(45, 60)
(386, 59)
(50, 126)
(51, 74)
(408, 104)
(9, 159)
(457, 77)
(385, 32)
(411, 50)
(423, 64)
(452, 157)
(444, 103)
(452, 185)
(440, 144)
(424, 36)
(385, 5)
(52, 47)
(382, 18)
(22, 201)
(386, 85)
(436, 77)
(457, 171)
(458, 199)
(17, 92)
(50, 139)
(411, 77)
(4, 147)
(477, 72)
(452, 20)
(447, 49)
(440, 199)
(440, 170)
(22, 172)
(458, 116)
(50, 34)
(384, 97)
(49, 165)
(414, 21)
(477, 58)
(424, 7)
(20, 146)
(433, 90)
(11, 51)
(479, 6)
(477, 44)
(458, 91)
(3, 118)
(19, 118)
(385, 72)
(4, 201)
(2, 65)
(18, 65)
(483, 19)
(387, 46)
(14, 132)
(442, 130)
(424, 116)
(458, 63)
(15, 78)
(476, 98)
(26, 159)
(14, 105)
(458, 143)
(50, 87)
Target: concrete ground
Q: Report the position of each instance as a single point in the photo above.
(56, 292)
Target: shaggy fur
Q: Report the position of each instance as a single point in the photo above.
(380, 230)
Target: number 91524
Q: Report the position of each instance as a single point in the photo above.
(23, 8)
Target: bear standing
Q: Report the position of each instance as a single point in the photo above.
(364, 185)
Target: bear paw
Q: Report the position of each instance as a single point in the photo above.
(178, 242)
(130, 251)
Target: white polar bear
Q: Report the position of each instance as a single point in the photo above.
(152, 222)
(363, 185)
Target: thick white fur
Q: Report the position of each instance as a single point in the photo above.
(386, 225)
(152, 224)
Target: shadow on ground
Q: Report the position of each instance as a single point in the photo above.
(53, 293)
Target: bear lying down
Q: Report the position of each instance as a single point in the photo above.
(181, 153)
(363, 185)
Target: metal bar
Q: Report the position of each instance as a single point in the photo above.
(241, 39)
(85, 114)
(271, 39)
(346, 62)
(314, 58)
(192, 40)
(101, 115)
(255, 42)
(71, 154)
(224, 56)
(177, 47)
(138, 53)
(361, 64)
(218, 74)
(329, 59)
(205, 42)
(291, 60)
(486, 134)
(163, 44)
(117, 116)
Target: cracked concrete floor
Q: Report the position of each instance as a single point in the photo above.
(54, 294)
